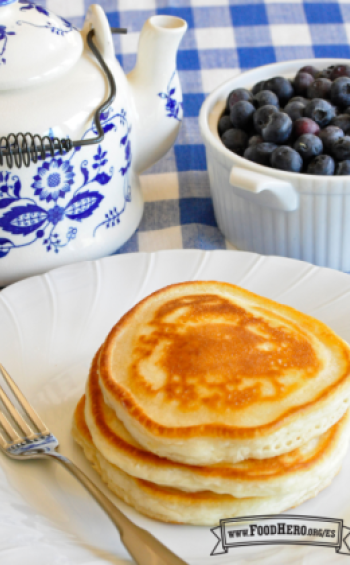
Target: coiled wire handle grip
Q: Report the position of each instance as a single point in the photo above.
(23, 148)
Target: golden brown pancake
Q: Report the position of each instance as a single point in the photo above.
(177, 506)
(301, 469)
(203, 372)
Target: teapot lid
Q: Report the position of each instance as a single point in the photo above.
(35, 45)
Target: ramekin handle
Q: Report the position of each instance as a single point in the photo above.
(264, 190)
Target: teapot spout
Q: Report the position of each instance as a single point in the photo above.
(155, 89)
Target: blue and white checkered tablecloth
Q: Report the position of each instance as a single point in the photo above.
(224, 37)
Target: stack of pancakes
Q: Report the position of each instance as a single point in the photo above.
(208, 402)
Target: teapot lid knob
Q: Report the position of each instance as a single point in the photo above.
(35, 44)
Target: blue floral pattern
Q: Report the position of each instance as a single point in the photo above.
(30, 6)
(53, 180)
(112, 217)
(3, 42)
(172, 106)
(36, 219)
(27, 6)
(4, 33)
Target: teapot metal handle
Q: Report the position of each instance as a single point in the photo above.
(24, 148)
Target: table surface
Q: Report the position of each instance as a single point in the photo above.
(224, 38)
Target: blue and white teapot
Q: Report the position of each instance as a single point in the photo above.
(69, 186)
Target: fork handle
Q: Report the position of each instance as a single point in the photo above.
(142, 546)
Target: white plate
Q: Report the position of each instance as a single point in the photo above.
(50, 327)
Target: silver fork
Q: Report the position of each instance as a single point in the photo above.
(37, 442)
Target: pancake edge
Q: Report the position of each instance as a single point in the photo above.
(175, 506)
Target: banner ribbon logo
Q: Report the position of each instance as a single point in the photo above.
(281, 529)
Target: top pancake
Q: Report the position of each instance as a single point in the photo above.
(203, 372)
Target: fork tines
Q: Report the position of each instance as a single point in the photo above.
(16, 416)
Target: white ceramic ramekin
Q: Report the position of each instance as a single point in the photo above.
(269, 211)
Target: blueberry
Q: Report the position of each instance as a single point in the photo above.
(281, 87)
(329, 135)
(264, 98)
(224, 124)
(308, 146)
(260, 153)
(255, 140)
(236, 96)
(321, 165)
(300, 99)
(320, 88)
(251, 154)
(320, 111)
(241, 114)
(343, 168)
(271, 126)
(258, 87)
(235, 140)
(340, 91)
(310, 70)
(286, 159)
(341, 148)
(336, 110)
(302, 82)
(326, 73)
(305, 125)
(295, 110)
(262, 115)
(340, 71)
(342, 121)
(278, 128)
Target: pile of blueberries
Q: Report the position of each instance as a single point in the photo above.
(300, 125)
